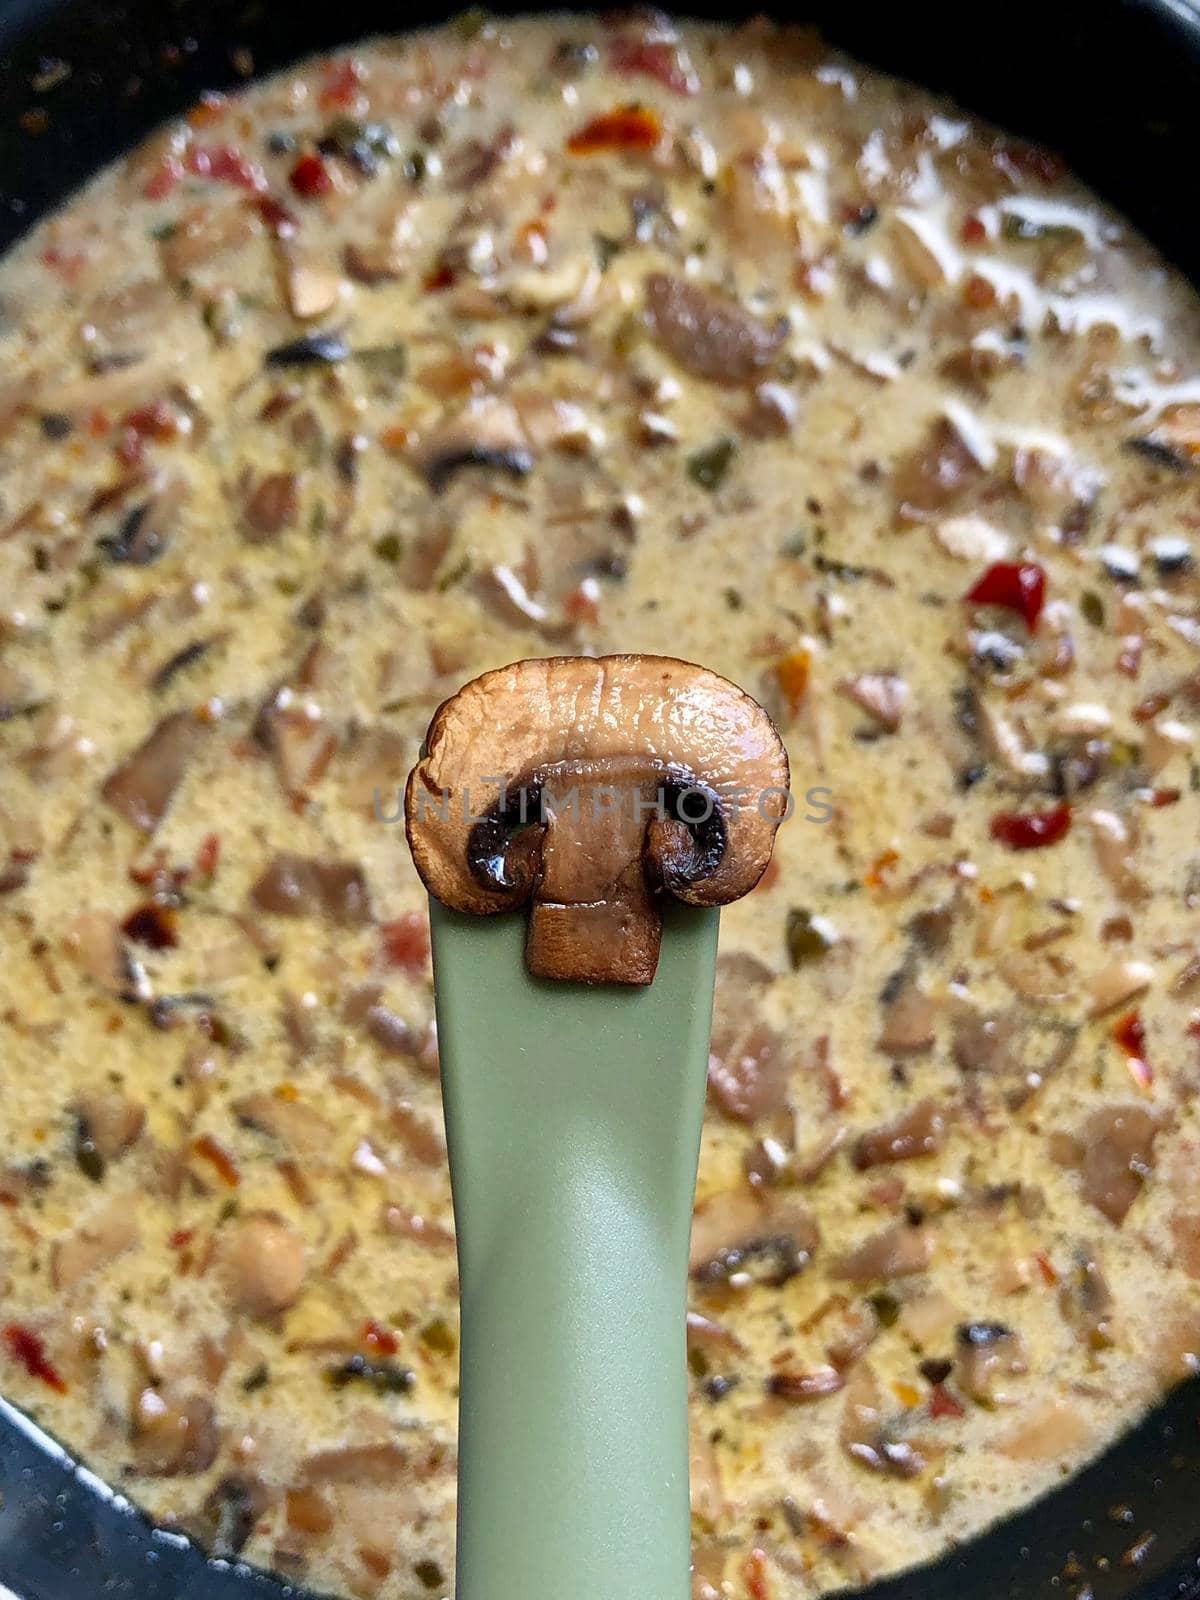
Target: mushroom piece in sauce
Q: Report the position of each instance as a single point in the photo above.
(987, 1353)
(264, 1265)
(142, 787)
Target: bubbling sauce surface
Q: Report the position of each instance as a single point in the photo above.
(554, 335)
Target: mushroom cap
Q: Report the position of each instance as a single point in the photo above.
(580, 714)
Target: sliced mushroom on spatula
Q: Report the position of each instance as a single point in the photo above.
(592, 786)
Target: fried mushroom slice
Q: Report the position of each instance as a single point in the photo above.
(710, 335)
(593, 786)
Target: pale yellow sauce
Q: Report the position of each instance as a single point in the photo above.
(945, 289)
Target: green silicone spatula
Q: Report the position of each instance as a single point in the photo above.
(573, 1122)
(573, 1052)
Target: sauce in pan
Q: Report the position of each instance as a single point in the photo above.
(561, 335)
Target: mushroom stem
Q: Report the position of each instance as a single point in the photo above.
(595, 912)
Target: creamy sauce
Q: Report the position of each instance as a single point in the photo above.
(544, 336)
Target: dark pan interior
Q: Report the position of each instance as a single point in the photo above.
(1114, 85)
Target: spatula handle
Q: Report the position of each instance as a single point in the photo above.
(573, 1122)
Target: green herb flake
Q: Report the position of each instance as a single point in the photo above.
(88, 1159)
(438, 1336)
(430, 1574)
(27, 709)
(845, 571)
(708, 467)
(389, 548)
(257, 1379)
(808, 938)
(470, 24)
(606, 248)
(1025, 229)
(455, 575)
(886, 1308)
(733, 599)
(382, 1376)
(627, 336)
(1092, 608)
(381, 138)
(220, 317)
(163, 231)
(391, 359)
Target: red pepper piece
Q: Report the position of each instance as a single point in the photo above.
(276, 216)
(145, 873)
(131, 449)
(877, 874)
(155, 421)
(156, 874)
(1018, 586)
(655, 58)
(1031, 830)
(406, 941)
(30, 1351)
(225, 163)
(310, 178)
(208, 1147)
(627, 128)
(163, 179)
(67, 263)
(755, 1574)
(381, 1340)
(152, 925)
(1130, 1033)
(208, 856)
(1046, 1268)
(439, 278)
(943, 1404)
(343, 81)
(583, 602)
(210, 108)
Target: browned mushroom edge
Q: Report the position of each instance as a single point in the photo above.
(592, 786)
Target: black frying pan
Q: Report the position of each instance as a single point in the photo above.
(1113, 84)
